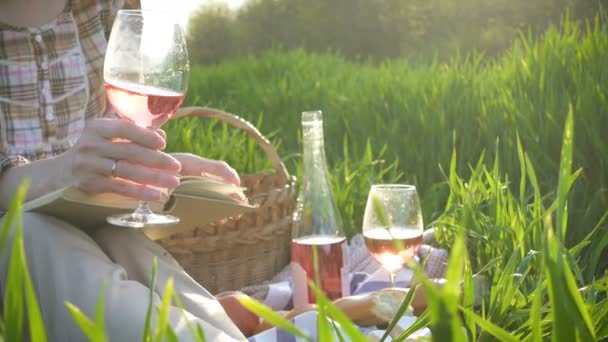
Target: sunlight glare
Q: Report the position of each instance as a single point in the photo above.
(184, 8)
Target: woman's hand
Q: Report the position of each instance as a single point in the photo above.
(136, 151)
(193, 165)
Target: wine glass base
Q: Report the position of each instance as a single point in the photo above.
(140, 221)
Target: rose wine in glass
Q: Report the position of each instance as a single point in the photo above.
(144, 105)
(390, 254)
(392, 226)
(146, 73)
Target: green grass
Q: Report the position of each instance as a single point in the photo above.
(509, 154)
(538, 291)
(400, 121)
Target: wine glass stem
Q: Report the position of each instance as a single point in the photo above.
(143, 209)
(391, 278)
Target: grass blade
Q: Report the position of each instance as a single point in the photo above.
(494, 330)
(17, 266)
(36, 325)
(445, 321)
(100, 318)
(272, 317)
(422, 321)
(94, 330)
(407, 301)
(200, 334)
(163, 312)
(13, 297)
(197, 332)
(84, 323)
(147, 334)
(571, 320)
(171, 336)
(323, 328)
(349, 328)
(522, 173)
(565, 167)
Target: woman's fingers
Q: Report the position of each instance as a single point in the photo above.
(136, 154)
(194, 165)
(120, 157)
(221, 169)
(162, 133)
(142, 175)
(134, 190)
(121, 129)
(129, 179)
(240, 197)
(102, 184)
(129, 171)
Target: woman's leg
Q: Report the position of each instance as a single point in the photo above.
(135, 251)
(67, 265)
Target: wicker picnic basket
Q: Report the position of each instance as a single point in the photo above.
(252, 249)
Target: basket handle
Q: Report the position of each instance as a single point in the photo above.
(244, 125)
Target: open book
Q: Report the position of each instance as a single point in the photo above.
(196, 201)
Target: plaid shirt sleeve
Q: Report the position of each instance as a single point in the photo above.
(7, 162)
(108, 13)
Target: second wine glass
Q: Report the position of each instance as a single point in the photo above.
(146, 73)
(392, 225)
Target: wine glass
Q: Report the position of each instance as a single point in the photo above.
(392, 225)
(146, 73)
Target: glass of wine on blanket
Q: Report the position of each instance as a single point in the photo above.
(146, 73)
(392, 225)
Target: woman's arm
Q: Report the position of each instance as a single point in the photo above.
(41, 175)
(88, 165)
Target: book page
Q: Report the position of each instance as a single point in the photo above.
(195, 212)
(209, 188)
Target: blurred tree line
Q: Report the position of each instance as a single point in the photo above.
(374, 29)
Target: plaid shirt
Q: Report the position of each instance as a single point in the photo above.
(51, 80)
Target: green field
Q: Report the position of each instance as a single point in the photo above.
(452, 129)
(398, 121)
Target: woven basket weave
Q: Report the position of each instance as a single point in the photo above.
(252, 249)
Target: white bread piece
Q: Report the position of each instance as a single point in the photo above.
(402, 325)
(376, 336)
(423, 334)
(387, 302)
(366, 310)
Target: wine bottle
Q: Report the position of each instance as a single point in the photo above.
(317, 222)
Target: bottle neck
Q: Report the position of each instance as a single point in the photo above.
(314, 147)
(317, 213)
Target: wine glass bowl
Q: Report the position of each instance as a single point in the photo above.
(392, 225)
(146, 72)
(146, 67)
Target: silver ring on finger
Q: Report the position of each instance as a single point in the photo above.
(113, 173)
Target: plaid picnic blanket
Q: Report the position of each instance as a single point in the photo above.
(365, 275)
